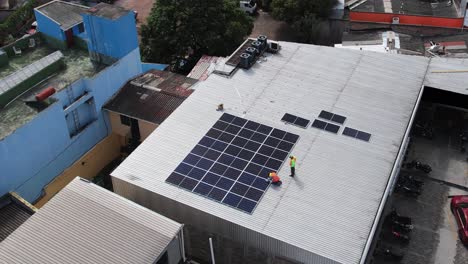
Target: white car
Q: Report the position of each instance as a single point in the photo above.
(249, 7)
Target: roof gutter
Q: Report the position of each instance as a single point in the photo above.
(393, 175)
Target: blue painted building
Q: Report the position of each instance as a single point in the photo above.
(36, 152)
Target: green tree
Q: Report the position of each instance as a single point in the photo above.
(305, 16)
(177, 28)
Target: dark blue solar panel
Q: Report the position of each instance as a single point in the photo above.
(232, 162)
(240, 142)
(226, 137)
(232, 199)
(232, 173)
(196, 173)
(211, 178)
(247, 178)
(246, 133)
(188, 183)
(239, 164)
(226, 159)
(239, 189)
(260, 183)
(239, 121)
(273, 164)
(192, 159)
(204, 164)
(217, 194)
(212, 154)
(254, 194)
(203, 188)
(227, 117)
(246, 205)
(252, 146)
(206, 141)
(183, 168)
(214, 133)
(272, 142)
(258, 137)
(266, 150)
(219, 168)
(175, 178)
(199, 150)
(219, 146)
(225, 183)
(291, 137)
(246, 154)
(253, 168)
(233, 129)
(264, 129)
(221, 125)
(286, 146)
(260, 159)
(278, 133)
(233, 150)
(252, 125)
(280, 154)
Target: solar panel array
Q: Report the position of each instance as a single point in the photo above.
(232, 161)
(332, 117)
(354, 133)
(326, 126)
(295, 120)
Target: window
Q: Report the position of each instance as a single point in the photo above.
(81, 27)
(462, 216)
(125, 120)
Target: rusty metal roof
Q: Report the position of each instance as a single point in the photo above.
(152, 96)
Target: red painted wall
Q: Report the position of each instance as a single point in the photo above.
(407, 19)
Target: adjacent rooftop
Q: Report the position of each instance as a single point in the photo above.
(152, 97)
(63, 13)
(77, 65)
(85, 223)
(13, 213)
(449, 8)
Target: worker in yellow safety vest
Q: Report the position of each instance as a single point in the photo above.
(292, 165)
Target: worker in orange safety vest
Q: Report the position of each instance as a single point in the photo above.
(275, 179)
(292, 165)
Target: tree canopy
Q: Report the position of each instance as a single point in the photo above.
(304, 16)
(177, 28)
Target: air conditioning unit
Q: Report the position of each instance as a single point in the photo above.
(395, 20)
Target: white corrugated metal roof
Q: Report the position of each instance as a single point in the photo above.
(85, 223)
(448, 74)
(330, 206)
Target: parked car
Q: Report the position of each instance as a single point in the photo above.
(250, 7)
(459, 207)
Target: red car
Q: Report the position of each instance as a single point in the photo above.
(459, 207)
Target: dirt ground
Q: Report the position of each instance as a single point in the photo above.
(265, 24)
(143, 7)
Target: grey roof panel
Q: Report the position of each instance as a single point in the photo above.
(85, 223)
(448, 74)
(376, 92)
(65, 14)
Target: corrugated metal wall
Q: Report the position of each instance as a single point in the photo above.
(201, 225)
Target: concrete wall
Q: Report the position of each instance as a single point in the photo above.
(48, 27)
(146, 128)
(88, 166)
(111, 38)
(33, 155)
